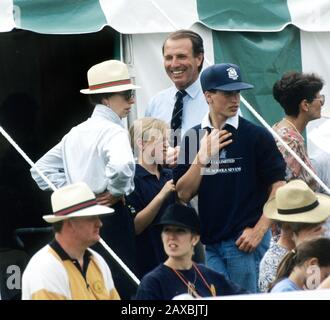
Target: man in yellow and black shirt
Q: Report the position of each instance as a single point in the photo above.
(66, 269)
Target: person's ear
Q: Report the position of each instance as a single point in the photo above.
(208, 97)
(304, 105)
(105, 102)
(139, 143)
(200, 58)
(195, 239)
(312, 262)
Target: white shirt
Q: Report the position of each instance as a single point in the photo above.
(194, 106)
(96, 151)
(233, 121)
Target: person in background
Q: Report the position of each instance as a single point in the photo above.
(233, 166)
(179, 274)
(183, 105)
(154, 189)
(67, 269)
(305, 267)
(292, 210)
(299, 94)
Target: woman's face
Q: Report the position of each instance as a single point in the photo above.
(308, 234)
(121, 103)
(314, 109)
(178, 241)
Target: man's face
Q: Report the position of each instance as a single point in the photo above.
(87, 229)
(180, 64)
(223, 103)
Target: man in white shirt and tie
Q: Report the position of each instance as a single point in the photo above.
(183, 53)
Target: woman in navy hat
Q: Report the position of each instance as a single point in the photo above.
(179, 274)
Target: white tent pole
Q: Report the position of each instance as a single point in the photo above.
(51, 185)
(27, 159)
(122, 264)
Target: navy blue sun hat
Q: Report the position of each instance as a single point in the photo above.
(224, 77)
(182, 216)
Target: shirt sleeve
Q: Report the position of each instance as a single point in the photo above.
(45, 279)
(51, 165)
(270, 163)
(120, 167)
(136, 199)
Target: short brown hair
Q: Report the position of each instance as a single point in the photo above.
(196, 41)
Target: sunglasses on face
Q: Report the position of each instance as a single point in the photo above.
(127, 94)
(321, 98)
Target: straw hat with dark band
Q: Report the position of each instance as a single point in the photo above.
(75, 200)
(108, 76)
(296, 202)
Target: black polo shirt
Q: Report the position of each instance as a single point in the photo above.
(232, 194)
(149, 245)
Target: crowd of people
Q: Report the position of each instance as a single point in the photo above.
(259, 216)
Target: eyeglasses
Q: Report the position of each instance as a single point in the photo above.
(127, 94)
(321, 99)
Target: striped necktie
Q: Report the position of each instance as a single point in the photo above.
(176, 121)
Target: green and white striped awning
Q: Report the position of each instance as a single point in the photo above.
(153, 16)
(265, 37)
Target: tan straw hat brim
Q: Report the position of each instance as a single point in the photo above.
(96, 210)
(316, 215)
(120, 88)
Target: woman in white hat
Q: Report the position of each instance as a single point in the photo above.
(98, 152)
(301, 214)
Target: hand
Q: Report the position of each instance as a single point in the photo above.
(172, 156)
(250, 239)
(212, 143)
(167, 189)
(107, 199)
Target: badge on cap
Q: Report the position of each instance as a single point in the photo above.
(232, 74)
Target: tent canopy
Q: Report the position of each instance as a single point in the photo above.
(154, 16)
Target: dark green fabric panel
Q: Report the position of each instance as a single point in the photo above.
(263, 58)
(244, 14)
(60, 16)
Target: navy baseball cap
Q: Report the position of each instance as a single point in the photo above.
(224, 77)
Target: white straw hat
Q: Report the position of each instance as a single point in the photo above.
(108, 76)
(75, 200)
(296, 202)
